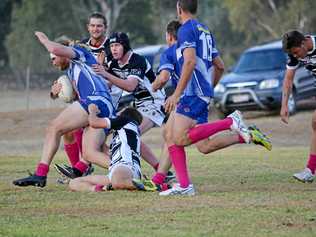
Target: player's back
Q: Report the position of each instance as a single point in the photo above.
(193, 34)
(86, 81)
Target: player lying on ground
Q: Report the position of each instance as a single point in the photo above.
(90, 88)
(124, 153)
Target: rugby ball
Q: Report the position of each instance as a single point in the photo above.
(67, 92)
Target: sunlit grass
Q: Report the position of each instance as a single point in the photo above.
(241, 191)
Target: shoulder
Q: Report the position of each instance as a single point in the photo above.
(85, 41)
(292, 62)
(137, 60)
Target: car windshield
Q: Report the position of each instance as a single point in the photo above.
(261, 61)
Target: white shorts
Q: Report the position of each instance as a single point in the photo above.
(134, 168)
(151, 110)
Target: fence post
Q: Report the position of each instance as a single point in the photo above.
(27, 88)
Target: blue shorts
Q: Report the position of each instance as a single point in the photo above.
(105, 106)
(193, 107)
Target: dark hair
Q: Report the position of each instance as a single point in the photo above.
(172, 28)
(188, 5)
(133, 114)
(292, 39)
(98, 15)
(121, 38)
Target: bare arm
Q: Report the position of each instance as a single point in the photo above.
(287, 90)
(95, 121)
(189, 56)
(128, 85)
(218, 70)
(55, 48)
(161, 80)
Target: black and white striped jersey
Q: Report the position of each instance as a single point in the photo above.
(104, 47)
(137, 66)
(125, 145)
(115, 92)
(309, 61)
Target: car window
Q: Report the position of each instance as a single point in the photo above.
(156, 61)
(261, 61)
(150, 58)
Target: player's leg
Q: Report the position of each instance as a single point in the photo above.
(65, 122)
(93, 140)
(145, 151)
(122, 175)
(71, 147)
(218, 142)
(90, 183)
(164, 162)
(59, 126)
(308, 174)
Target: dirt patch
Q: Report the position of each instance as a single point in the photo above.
(22, 131)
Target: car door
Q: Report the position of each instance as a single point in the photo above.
(304, 83)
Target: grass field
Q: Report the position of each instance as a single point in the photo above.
(242, 191)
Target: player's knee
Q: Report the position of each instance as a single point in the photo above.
(203, 149)
(167, 135)
(69, 138)
(87, 155)
(54, 128)
(181, 140)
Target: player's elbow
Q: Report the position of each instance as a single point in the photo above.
(191, 63)
(220, 68)
(130, 87)
(93, 122)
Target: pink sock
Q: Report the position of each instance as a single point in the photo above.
(42, 169)
(72, 151)
(178, 159)
(241, 140)
(98, 188)
(81, 166)
(78, 136)
(158, 178)
(206, 130)
(311, 164)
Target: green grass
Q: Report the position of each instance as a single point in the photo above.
(242, 191)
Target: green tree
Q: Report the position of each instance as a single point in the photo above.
(55, 18)
(5, 20)
(267, 20)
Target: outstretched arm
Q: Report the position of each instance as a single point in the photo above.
(94, 120)
(128, 85)
(161, 80)
(287, 90)
(55, 48)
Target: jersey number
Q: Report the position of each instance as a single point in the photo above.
(207, 46)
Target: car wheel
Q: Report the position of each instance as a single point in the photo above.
(292, 103)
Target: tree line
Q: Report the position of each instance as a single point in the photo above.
(236, 24)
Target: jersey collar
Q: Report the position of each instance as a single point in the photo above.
(313, 40)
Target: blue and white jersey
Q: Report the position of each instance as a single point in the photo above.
(168, 61)
(85, 81)
(193, 34)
